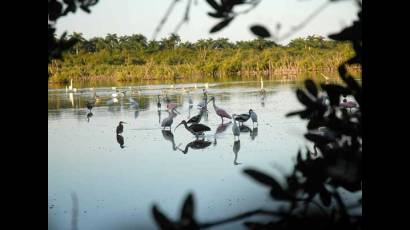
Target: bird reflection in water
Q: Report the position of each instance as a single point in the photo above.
(159, 116)
(254, 133)
(89, 115)
(120, 140)
(168, 135)
(221, 128)
(245, 129)
(136, 113)
(263, 99)
(189, 111)
(236, 148)
(197, 144)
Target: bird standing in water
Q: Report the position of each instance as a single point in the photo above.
(120, 127)
(196, 119)
(220, 112)
(196, 129)
(235, 129)
(158, 103)
(254, 117)
(167, 122)
(90, 105)
(242, 118)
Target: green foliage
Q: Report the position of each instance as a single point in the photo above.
(128, 58)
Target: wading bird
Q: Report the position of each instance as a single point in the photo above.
(197, 144)
(90, 105)
(204, 101)
(242, 118)
(158, 102)
(195, 129)
(254, 117)
(120, 127)
(262, 89)
(167, 122)
(235, 129)
(196, 119)
(220, 112)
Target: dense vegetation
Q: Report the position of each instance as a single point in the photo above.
(130, 58)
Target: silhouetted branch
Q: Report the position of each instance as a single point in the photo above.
(241, 216)
(164, 19)
(185, 19)
(304, 22)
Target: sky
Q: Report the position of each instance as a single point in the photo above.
(126, 17)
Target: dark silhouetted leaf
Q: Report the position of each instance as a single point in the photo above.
(214, 4)
(221, 25)
(325, 197)
(311, 87)
(188, 208)
(276, 189)
(304, 99)
(85, 8)
(260, 31)
(216, 15)
(316, 138)
(54, 10)
(162, 221)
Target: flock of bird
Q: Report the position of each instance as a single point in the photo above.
(193, 124)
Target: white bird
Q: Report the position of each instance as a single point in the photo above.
(235, 129)
(113, 88)
(206, 85)
(66, 89)
(112, 101)
(133, 103)
(70, 88)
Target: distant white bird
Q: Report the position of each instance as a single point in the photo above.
(112, 101)
(206, 85)
(70, 88)
(133, 103)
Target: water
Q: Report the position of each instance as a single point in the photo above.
(116, 187)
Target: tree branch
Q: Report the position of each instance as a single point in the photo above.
(241, 216)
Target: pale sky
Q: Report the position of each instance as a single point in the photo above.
(126, 17)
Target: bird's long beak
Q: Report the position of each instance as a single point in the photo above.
(177, 126)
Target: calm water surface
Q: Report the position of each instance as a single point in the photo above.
(116, 186)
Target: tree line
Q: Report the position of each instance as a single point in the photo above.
(134, 57)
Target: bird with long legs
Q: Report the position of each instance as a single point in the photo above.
(235, 129)
(120, 127)
(219, 111)
(197, 118)
(167, 122)
(196, 129)
(254, 117)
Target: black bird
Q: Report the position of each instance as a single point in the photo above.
(196, 129)
(197, 144)
(242, 118)
(120, 128)
(90, 105)
(196, 119)
(120, 140)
